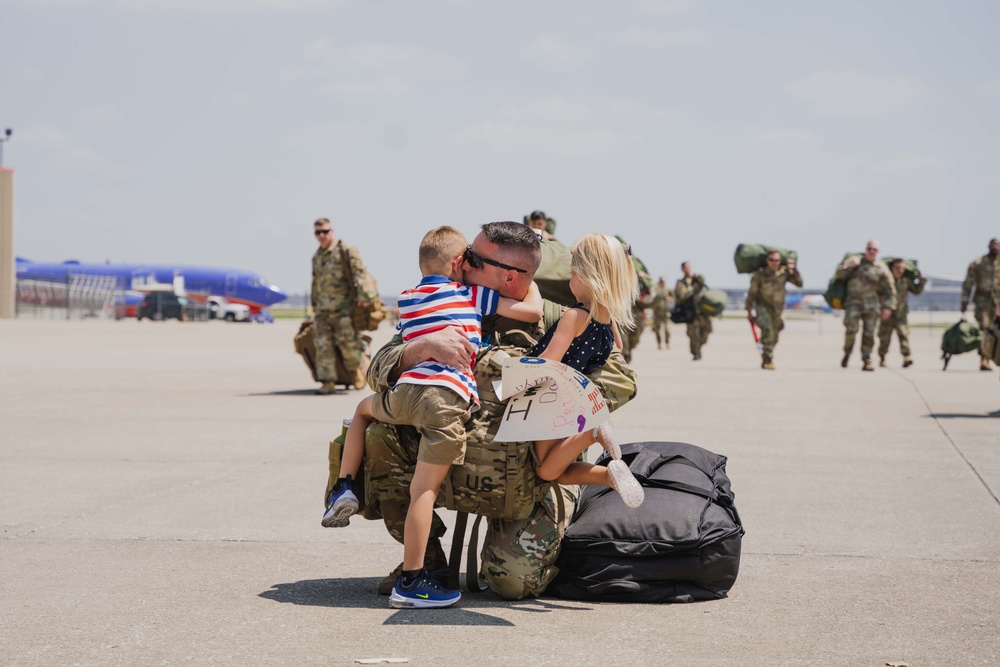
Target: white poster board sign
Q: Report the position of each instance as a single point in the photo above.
(548, 400)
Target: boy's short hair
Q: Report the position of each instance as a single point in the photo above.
(439, 247)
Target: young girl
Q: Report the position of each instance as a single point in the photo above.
(604, 282)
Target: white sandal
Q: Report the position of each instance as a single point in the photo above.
(604, 433)
(625, 483)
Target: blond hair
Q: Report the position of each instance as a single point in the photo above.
(439, 248)
(603, 264)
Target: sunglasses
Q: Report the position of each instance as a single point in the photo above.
(322, 232)
(774, 259)
(476, 261)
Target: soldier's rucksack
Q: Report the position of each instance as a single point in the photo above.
(750, 257)
(305, 346)
(712, 302)
(836, 290)
(909, 266)
(683, 312)
(552, 276)
(682, 544)
(962, 337)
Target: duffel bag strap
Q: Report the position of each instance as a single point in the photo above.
(455, 558)
(472, 562)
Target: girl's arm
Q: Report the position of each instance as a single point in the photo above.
(528, 310)
(567, 329)
(618, 337)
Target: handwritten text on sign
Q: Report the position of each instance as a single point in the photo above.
(548, 400)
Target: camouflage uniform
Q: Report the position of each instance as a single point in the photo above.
(630, 339)
(701, 327)
(897, 321)
(332, 303)
(518, 556)
(870, 288)
(767, 299)
(981, 275)
(662, 298)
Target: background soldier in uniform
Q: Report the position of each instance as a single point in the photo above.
(980, 275)
(335, 265)
(870, 291)
(541, 223)
(688, 287)
(897, 321)
(662, 298)
(767, 297)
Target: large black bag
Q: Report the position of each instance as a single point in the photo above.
(683, 312)
(682, 544)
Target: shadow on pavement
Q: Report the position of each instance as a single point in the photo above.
(294, 392)
(360, 593)
(955, 415)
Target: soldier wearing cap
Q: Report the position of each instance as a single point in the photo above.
(905, 285)
(981, 275)
(871, 293)
(766, 302)
(690, 287)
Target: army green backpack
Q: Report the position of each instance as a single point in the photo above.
(552, 276)
(712, 302)
(836, 289)
(909, 266)
(750, 257)
(962, 337)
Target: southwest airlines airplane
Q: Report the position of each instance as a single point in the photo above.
(233, 284)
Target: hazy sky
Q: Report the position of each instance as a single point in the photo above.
(216, 131)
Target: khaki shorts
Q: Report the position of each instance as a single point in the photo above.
(438, 413)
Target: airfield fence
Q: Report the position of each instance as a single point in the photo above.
(80, 297)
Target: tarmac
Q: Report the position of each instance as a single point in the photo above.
(161, 492)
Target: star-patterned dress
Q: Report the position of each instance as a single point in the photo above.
(588, 351)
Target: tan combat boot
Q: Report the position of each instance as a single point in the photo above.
(767, 363)
(327, 389)
(907, 362)
(984, 364)
(868, 366)
(881, 362)
(843, 362)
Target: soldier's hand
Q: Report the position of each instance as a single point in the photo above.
(447, 346)
(886, 313)
(751, 317)
(791, 265)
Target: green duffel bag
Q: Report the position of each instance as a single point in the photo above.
(962, 337)
(836, 293)
(552, 276)
(712, 302)
(750, 257)
(909, 266)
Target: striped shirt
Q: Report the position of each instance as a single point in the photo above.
(436, 303)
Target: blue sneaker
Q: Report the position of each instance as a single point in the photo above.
(340, 505)
(425, 592)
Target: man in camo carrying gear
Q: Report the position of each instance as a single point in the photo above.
(871, 293)
(690, 287)
(980, 276)
(662, 298)
(518, 555)
(339, 280)
(905, 285)
(767, 297)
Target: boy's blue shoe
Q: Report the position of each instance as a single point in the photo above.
(424, 592)
(340, 505)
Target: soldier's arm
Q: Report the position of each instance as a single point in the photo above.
(888, 291)
(970, 280)
(846, 268)
(794, 277)
(752, 292)
(363, 281)
(917, 285)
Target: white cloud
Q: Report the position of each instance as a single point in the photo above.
(658, 38)
(551, 109)
(104, 112)
(511, 137)
(855, 94)
(663, 7)
(787, 138)
(380, 58)
(69, 155)
(367, 90)
(554, 52)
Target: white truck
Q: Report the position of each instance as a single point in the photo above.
(222, 309)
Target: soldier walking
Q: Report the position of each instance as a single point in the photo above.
(981, 275)
(689, 288)
(767, 297)
(339, 280)
(871, 291)
(905, 285)
(662, 298)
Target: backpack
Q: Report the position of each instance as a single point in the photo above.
(836, 290)
(305, 346)
(683, 312)
(962, 337)
(552, 276)
(712, 302)
(909, 266)
(682, 544)
(749, 258)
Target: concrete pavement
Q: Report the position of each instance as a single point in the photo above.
(161, 486)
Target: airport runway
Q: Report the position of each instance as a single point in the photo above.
(161, 491)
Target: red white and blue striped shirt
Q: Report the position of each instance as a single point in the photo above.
(438, 302)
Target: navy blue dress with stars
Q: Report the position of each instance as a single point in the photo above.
(588, 351)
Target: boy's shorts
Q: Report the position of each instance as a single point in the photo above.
(438, 413)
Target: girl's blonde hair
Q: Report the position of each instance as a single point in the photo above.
(604, 265)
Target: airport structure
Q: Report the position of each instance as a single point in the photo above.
(6, 243)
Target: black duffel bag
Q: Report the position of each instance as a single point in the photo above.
(683, 312)
(682, 544)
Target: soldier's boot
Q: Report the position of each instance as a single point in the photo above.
(843, 362)
(434, 560)
(360, 381)
(881, 362)
(327, 389)
(659, 346)
(767, 362)
(984, 364)
(868, 365)
(907, 362)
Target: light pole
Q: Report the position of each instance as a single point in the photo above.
(5, 137)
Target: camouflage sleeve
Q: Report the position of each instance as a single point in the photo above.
(794, 278)
(364, 282)
(888, 290)
(970, 280)
(844, 270)
(382, 369)
(917, 286)
(752, 292)
(680, 291)
(313, 287)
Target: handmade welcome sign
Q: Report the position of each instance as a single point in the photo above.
(548, 400)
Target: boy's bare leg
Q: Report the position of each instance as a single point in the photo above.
(427, 480)
(354, 441)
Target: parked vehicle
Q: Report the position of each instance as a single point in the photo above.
(167, 305)
(223, 309)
